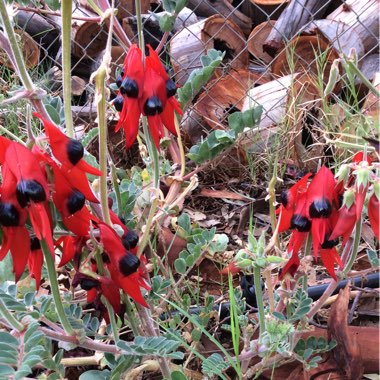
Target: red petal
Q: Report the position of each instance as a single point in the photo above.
(122, 117)
(112, 243)
(296, 241)
(291, 266)
(79, 223)
(86, 167)
(359, 157)
(24, 165)
(78, 180)
(345, 224)
(284, 218)
(359, 200)
(35, 262)
(134, 67)
(322, 186)
(154, 62)
(111, 291)
(91, 295)
(373, 214)
(230, 268)
(155, 125)
(4, 144)
(68, 251)
(16, 240)
(41, 224)
(329, 257)
(167, 117)
(318, 232)
(131, 125)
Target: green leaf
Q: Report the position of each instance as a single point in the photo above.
(177, 375)
(53, 114)
(238, 121)
(6, 370)
(196, 335)
(166, 22)
(373, 258)
(214, 365)
(220, 243)
(89, 136)
(5, 337)
(279, 316)
(95, 375)
(180, 4)
(54, 5)
(185, 223)
(169, 5)
(180, 266)
(199, 77)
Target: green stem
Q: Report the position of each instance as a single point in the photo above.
(140, 26)
(66, 12)
(10, 134)
(19, 60)
(115, 185)
(55, 289)
(259, 298)
(102, 123)
(308, 245)
(10, 318)
(111, 314)
(272, 199)
(26, 79)
(355, 246)
(131, 316)
(144, 239)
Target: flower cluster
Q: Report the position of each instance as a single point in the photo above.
(145, 88)
(34, 180)
(328, 209)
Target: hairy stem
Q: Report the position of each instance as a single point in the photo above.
(67, 10)
(259, 298)
(55, 289)
(7, 315)
(354, 252)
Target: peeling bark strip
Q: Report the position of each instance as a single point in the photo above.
(347, 353)
(296, 15)
(188, 45)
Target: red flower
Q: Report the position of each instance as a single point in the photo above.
(131, 89)
(96, 288)
(147, 91)
(69, 152)
(124, 267)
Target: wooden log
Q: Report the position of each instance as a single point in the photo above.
(257, 39)
(262, 10)
(45, 33)
(54, 75)
(207, 8)
(303, 52)
(188, 45)
(274, 98)
(127, 8)
(361, 17)
(88, 37)
(30, 51)
(224, 96)
(297, 14)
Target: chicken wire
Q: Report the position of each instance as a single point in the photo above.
(47, 72)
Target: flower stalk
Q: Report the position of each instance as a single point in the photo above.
(55, 289)
(10, 318)
(66, 11)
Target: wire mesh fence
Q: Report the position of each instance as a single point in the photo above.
(277, 54)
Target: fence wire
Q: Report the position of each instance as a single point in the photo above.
(254, 71)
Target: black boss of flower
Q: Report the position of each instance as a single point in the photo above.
(153, 106)
(118, 103)
(327, 244)
(300, 223)
(75, 201)
(119, 81)
(9, 215)
(34, 243)
(284, 198)
(129, 264)
(88, 283)
(320, 208)
(171, 88)
(29, 190)
(130, 239)
(74, 151)
(129, 88)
